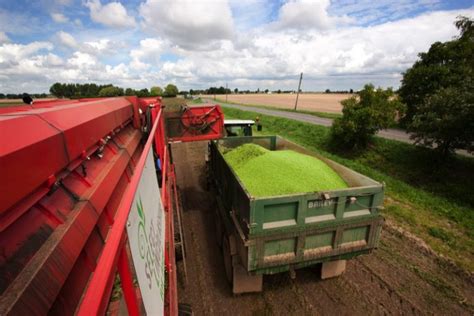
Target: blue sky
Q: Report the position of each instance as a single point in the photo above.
(249, 44)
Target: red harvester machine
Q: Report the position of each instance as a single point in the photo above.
(70, 170)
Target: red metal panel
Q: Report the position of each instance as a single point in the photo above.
(49, 139)
(47, 270)
(84, 124)
(22, 151)
(41, 247)
(196, 123)
(15, 109)
(126, 279)
(39, 104)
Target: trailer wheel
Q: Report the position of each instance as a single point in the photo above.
(227, 259)
(218, 229)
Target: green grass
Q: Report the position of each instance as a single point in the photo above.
(173, 104)
(282, 172)
(431, 198)
(314, 113)
(197, 101)
(5, 104)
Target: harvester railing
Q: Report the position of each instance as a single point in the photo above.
(115, 256)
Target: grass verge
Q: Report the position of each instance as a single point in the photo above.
(5, 104)
(433, 200)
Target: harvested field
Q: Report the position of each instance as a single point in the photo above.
(318, 102)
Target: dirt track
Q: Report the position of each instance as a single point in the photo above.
(401, 277)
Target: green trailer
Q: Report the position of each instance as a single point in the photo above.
(283, 233)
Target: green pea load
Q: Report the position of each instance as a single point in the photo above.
(269, 173)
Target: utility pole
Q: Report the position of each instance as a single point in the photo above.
(226, 92)
(298, 92)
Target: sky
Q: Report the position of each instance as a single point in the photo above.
(247, 44)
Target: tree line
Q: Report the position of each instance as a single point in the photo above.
(20, 95)
(92, 90)
(435, 101)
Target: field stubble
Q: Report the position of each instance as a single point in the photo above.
(315, 102)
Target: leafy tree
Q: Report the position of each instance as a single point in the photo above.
(363, 116)
(130, 91)
(445, 120)
(156, 91)
(438, 90)
(110, 91)
(445, 65)
(236, 90)
(327, 91)
(170, 90)
(143, 93)
(57, 90)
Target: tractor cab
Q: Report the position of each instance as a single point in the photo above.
(238, 127)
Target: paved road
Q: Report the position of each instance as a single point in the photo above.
(390, 133)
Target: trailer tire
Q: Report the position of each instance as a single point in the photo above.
(229, 271)
(218, 229)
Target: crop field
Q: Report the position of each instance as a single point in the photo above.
(317, 102)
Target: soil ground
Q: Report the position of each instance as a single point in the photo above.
(320, 102)
(401, 277)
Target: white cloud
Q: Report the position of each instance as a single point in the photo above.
(59, 18)
(82, 60)
(98, 47)
(147, 54)
(10, 52)
(4, 38)
(344, 57)
(112, 14)
(308, 14)
(103, 46)
(66, 39)
(189, 24)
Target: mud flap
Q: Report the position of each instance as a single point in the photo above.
(333, 269)
(243, 282)
(237, 275)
